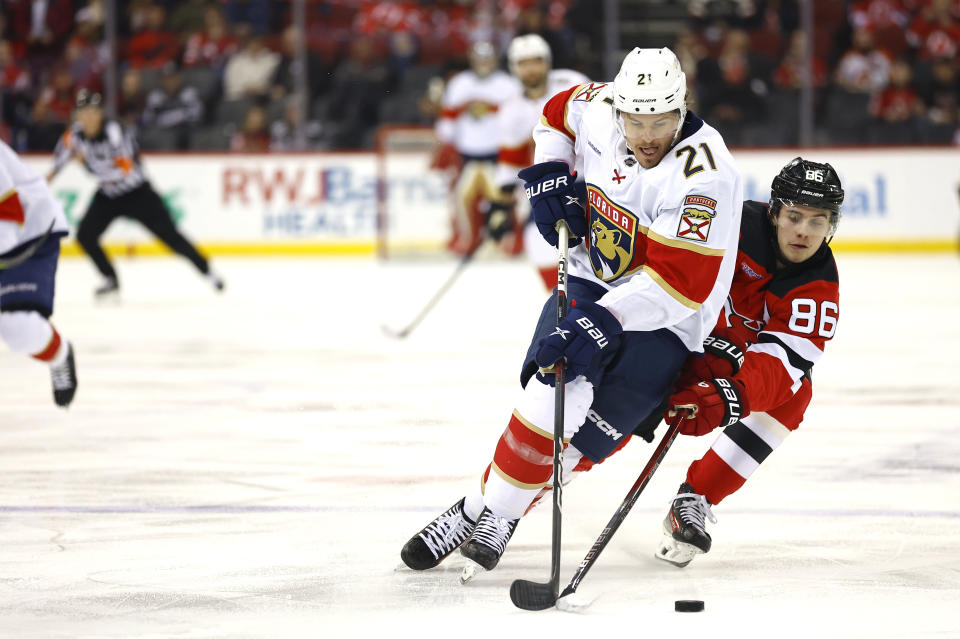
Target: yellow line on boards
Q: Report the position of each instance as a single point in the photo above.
(72, 249)
(369, 248)
(895, 246)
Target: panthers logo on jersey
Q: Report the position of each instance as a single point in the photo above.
(613, 236)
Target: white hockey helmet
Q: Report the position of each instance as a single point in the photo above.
(650, 81)
(527, 46)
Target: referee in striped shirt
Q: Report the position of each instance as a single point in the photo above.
(111, 154)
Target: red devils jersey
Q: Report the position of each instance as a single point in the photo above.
(785, 316)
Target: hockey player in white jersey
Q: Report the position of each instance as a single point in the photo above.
(650, 267)
(467, 135)
(31, 226)
(529, 58)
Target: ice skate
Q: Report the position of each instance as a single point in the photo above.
(64, 378)
(109, 289)
(684, 529)
(438, 539)
(489, 540)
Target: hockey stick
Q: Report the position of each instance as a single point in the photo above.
(28, 252)
(461, 265)
(541, 596)
(622, 511)
(531, 595)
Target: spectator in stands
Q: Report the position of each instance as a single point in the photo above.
(942, 102)
(132, 100)
(358, 86)
(83, 63)
(284, 81)
(15, 94)
(690, 52)
(253, 136)
(249, 71)
(741, 14)
(733, 87)
(189, 16)
(152, 44)
(173, 107)
(935, 32)
(284, 134)
(257, 13)
(885, 19)
(52, 111)
(862, 68)
(212, 46)
(43, 26)
(897, 109)
(792, 72)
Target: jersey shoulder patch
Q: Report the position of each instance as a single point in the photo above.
(696, 214)
(587, 92)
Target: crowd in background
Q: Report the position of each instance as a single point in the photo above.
(220, 74)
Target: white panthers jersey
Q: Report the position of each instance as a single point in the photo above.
(662, 241)
(27, 206)
(468, 114)
(515, 122)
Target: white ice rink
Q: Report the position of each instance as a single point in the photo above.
(250, 464)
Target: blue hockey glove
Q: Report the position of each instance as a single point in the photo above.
(579, 338)
(553, 197)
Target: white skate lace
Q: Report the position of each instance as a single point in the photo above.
(494, 531)
(62, 379)
(446, 532)
(693, 509)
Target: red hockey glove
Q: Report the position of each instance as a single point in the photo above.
(722, 357)
(709, 404)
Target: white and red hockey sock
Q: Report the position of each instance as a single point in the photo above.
(736, 453)
(30, 333)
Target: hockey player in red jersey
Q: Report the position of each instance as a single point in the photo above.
(649, 270)
(754, 378)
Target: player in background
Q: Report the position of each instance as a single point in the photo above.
(110, 152)
(650, 267)
(755, 377)
(467, 136)
(507, 216)
(31, 226)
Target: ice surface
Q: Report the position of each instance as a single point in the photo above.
(250, 464)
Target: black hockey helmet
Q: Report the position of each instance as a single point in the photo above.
(86, 98)
(808, 183)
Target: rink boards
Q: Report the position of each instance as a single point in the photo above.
(898, 199)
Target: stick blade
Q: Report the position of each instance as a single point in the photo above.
(530, 595)
(395, 334)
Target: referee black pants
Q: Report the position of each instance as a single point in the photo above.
(143, 205)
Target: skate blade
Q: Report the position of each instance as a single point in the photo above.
(676, 552)
(470, 571)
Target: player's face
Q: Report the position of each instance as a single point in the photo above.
(90, 119)
(650, 136)
(483, 65)
(532, 72)
(801, 230)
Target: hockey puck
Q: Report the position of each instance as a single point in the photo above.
(688, 605)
